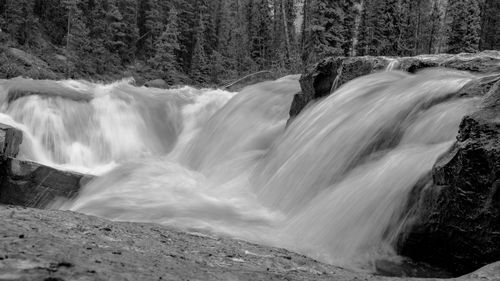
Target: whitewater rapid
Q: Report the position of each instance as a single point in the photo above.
(332, 185)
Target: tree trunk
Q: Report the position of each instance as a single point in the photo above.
(305, 20)
(287, 35)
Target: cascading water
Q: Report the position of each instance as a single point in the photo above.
(332, 185)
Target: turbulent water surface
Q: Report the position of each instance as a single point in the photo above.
(332, 185)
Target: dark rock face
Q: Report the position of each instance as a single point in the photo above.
(30, 184)
(328, 75)
(10, 139)
(456, 218)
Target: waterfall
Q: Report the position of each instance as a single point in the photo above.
(332, 185)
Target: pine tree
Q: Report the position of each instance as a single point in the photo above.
(386, 28)
(116, 30)
(323, 30)
(129, 11)
(153, 25)
(259, 32)
(490, 25)
(350, 14)
(100, 60)
(21, 23)
(464, 26)
(166, 47)
(199, 67)
(77, 39)
(364, 31)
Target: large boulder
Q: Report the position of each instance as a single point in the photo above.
(326, 76)
(30, 184)
(455, 217)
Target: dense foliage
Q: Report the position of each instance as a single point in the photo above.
(210, 41)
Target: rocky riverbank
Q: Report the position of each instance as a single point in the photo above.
(55, 246)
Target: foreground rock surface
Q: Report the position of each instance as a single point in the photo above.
(456, 219)
(56, 245)
(323, 78)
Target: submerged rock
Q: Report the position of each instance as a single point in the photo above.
(455, 221)
(328, 75)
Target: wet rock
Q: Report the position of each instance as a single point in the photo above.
(29, 184)
(326, 76)
(157, 83)
(10, 139)
(455, 221)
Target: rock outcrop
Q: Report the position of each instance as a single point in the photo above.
(323, 78)
(30, 184)
(455, 221)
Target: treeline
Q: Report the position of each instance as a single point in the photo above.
(200, 41)
(398, 27)
(209, 41)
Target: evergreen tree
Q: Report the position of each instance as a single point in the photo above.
(350, 14)
(101, 60)
(153, 25)
(21, 23)
(490, 25)
(323, 30)
(199, 67)
(386, 28)
(166, 47)
(259, 32)
(77, 39)
(464, 26)
(129, 11)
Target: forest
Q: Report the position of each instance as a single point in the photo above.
(212, 41)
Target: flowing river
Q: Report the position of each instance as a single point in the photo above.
(333, 184)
